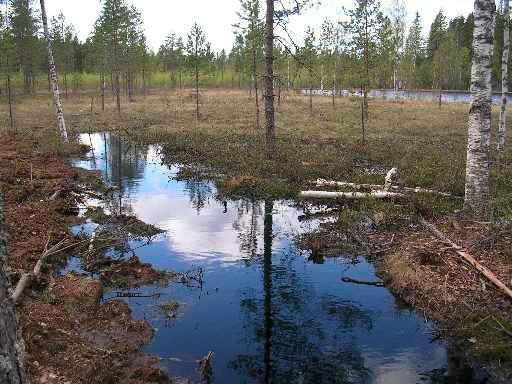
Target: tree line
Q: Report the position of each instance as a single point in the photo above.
(337, 56)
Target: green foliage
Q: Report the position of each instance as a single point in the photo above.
(199, 53)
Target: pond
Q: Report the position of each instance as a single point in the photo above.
(268, 313)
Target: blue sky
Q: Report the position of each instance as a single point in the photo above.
(218, 16)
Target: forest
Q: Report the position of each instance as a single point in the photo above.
(408, 55)
(324, 202)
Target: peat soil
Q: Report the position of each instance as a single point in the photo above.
(70, 334)
(472, 314)
(429, 275)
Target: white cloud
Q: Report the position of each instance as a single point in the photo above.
(217, 17)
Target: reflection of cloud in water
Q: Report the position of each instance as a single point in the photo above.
(208, 235)
(401, 367)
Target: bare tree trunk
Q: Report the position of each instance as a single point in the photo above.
(129, 83)
(11, 344)
(479, 127)
(269, 79)
(279, 92)
(10, 101)
(367, 79)
(334, 93)
(66, 85)
(54, 79)
(502, 128)
(197, 92)
(255, 75)
(102, 79)
(310, 99)
(118, 92)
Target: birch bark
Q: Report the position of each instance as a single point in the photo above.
(476, 200)
(54, 79)
(502, 128)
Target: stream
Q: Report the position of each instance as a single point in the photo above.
(268, 313)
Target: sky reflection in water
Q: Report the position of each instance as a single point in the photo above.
(267, 313)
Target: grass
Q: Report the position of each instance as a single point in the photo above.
(427, 143)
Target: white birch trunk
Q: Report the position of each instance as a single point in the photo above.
(476, 200)
(348, 195)
(502, 128)
(54, 79)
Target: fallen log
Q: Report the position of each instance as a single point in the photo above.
(333, 184)
(361, 282)
(348, 195)
(467, 257)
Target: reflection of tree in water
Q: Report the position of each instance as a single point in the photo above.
(125, 163)
(292, 332)
(248, 229)
(126, 160)
(199, 193)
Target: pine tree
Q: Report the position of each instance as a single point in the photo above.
(25, 26)
(199, 56)
(119, 37)
(171, 55)
(308, 58)
(414, 54)
(365, 22)
(251, 26)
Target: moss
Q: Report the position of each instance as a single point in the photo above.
(256, 188)
(170, 309)
(488, 339)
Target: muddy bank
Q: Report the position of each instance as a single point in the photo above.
(471, 312)
(70, 335)
(472, 315)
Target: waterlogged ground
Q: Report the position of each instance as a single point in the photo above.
(268, 313)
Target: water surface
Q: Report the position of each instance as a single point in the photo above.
(267, 313)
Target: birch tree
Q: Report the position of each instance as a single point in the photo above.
(504, 75)
(479, 125)
(61, 122)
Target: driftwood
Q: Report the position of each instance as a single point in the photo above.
(361, 282)
(396, 188)
(467, 257)
(26, 278)
(388, 190)
(348, 195)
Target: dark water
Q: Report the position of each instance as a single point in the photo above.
(268, 314)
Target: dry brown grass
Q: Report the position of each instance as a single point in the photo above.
(426, 142)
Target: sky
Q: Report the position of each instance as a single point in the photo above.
(217, 16)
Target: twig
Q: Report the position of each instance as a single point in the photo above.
(509, 333)
(26, 278)
(467, 257)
